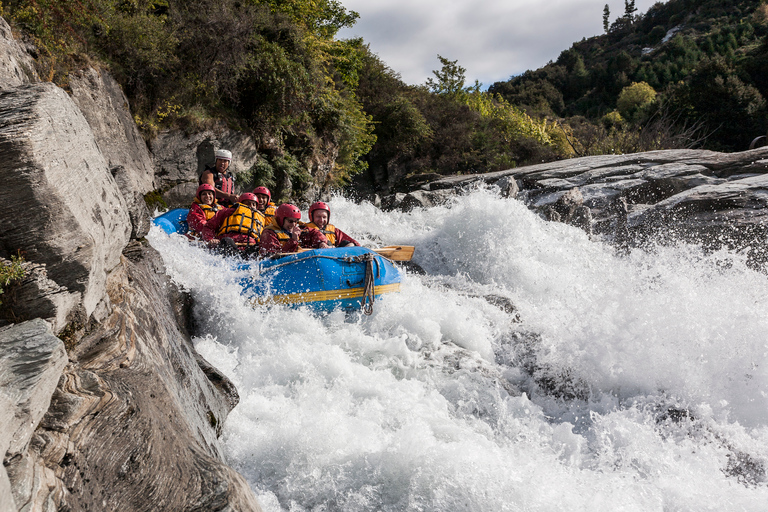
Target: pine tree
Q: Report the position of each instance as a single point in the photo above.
(629, 10)
(606, 15)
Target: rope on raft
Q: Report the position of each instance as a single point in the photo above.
(369, 292)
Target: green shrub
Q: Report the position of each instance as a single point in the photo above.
(11, 271)
(634, 98)
(155, 201)
(612, 120)
(656, 34)
(261, 174)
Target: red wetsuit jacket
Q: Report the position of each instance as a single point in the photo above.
(335, 236)
(198, 215)
(275, 239)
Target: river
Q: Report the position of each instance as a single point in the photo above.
(531, 369)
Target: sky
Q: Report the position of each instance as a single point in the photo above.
(492, 39)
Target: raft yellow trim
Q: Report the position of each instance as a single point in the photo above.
(298, 298)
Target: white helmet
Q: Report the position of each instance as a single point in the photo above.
(223, 154)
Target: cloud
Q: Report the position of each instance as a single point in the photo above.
(492, 39)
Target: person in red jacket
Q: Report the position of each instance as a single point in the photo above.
(203, 208)
(266, 206)
(285, 234)
(319, 215)
(237, 227)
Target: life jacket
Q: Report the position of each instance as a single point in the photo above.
(269, 212)
(329, 231)
(208, 209)
(243, 221)
(223, 181)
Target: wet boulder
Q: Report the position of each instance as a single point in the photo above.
(702, 196)
(425, 199)
(732, 215)
(569, 208)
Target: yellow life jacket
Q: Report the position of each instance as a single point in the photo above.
(329, 231)
(269, 212)
(209, 210)
(244, 221)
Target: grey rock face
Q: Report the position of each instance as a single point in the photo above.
(60, 204)
(105, 107)
(31, 361)
(138, 212)
(134, 422)
(36, 296)
(16, 65)
(181, 195)
(131, 422)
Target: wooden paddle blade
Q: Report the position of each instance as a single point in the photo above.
(396, 252)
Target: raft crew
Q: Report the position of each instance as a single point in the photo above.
(220, 178)
(319, 215)
(266, 206)
(238, 227)
(285, 235)
(202, 209)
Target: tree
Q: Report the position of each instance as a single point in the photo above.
(629, 10)
(606, 16)
(450, 78)
(321, 17)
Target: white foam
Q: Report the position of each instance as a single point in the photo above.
(409, 409)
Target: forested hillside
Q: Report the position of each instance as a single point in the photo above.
(684, 74)
(688, 63)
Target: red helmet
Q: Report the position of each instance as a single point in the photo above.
(205, 186)
(246, 196)
(286, 210)
(319, 206)
(263, 190)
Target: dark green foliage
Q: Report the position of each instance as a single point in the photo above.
(715, 94)
(154, 201)
(268, 66)
(419, 131)
(261, 174)
(730, 32)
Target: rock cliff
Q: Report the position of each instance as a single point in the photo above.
(104, 403)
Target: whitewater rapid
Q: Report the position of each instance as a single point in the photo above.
(531, 369)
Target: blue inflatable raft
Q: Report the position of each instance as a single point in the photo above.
(349, 278)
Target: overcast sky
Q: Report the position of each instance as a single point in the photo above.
(492, 39)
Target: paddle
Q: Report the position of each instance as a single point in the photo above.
(396, 252)
(392, 252)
